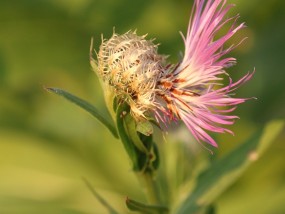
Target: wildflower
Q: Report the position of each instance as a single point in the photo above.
(189, 90)
(192, 90)
(131, 66)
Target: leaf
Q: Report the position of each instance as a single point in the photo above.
(99, 198)
(129, 146)
(144, 208)
(140, 148)
(156, 159)
(145, 127)
(86, 106)
(130, 124)
(222, 173)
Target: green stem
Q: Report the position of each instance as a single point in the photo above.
(151, 189)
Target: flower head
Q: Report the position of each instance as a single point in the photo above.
(192, 90)
(131, 66)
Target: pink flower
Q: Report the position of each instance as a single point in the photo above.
(192, 90)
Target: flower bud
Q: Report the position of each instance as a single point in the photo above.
(131, 65)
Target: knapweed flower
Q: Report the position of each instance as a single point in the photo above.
(192, 90)
(132, 67)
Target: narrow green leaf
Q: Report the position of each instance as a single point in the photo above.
(86, 106)
(145, 208)
(130, 148)
(156, 158)
(132, 132)
(222, 173)
(139, 147)
(99, 198)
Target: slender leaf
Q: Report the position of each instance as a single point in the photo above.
(138, 152)
(130, 148)
(140, 147)
(99, 198)
(86, 106)
(222, 173)
(144, 208)
(132, 132)
(156, 158)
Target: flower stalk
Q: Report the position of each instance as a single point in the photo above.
(141, 150)
(148, 181)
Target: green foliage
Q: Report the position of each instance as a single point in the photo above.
(87, 107)
(140, 148)
(129, 146)
(100, 198)
(144, 208)
(145, 127)
(222, 173)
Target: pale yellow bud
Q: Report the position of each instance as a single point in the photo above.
(131, 66)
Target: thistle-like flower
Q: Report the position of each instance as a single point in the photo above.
(192, 90)
(132, 67)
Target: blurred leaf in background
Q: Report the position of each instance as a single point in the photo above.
(47, 144)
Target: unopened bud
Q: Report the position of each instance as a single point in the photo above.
(131, 65)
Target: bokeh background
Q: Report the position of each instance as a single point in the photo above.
(47, 144)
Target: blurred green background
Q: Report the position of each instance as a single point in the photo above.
(47, 144)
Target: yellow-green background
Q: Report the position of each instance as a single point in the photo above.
(48, 144)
